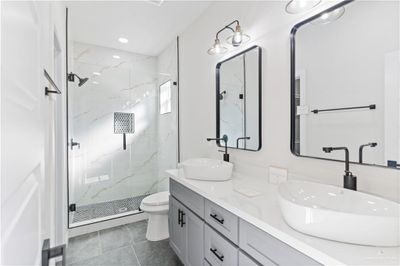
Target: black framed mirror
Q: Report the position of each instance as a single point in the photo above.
(238, 99)
(345, 65)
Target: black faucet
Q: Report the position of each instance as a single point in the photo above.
(349, 180)
(360, 150)
(225, 140)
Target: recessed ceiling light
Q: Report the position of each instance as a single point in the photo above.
(123, 40)
(95, 82)
(97, 73)
(116, 57)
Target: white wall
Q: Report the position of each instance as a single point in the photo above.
(269, 26)
(58, 34)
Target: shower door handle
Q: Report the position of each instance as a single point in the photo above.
(124, 141)
(73, 144)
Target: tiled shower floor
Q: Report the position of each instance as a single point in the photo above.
(99, 210)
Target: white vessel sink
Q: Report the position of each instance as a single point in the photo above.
(207, 169)
(340, 214)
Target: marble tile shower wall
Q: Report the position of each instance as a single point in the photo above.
(100, 170)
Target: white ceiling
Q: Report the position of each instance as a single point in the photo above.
(148, 27)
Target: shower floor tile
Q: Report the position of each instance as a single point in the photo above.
(104, 209)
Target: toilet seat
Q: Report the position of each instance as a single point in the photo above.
(156, 199)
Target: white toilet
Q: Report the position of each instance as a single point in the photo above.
(157, 206)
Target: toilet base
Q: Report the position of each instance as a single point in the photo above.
(157, 227)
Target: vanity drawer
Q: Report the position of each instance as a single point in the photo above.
(218, 250)
(267, 250)
(245, 260)
(221, 220)
(190, 199)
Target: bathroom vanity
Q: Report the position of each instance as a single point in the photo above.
(238, 222)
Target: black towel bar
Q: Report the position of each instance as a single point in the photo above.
(371, 107)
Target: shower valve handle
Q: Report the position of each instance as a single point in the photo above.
(75, 144)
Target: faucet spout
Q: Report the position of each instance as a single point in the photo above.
(240, 138)
(360, 150)
(225, 140)
(349, 180)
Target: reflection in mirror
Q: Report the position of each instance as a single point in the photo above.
(239, 99)
(346, 85)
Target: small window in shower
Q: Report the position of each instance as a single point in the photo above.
(165, 98)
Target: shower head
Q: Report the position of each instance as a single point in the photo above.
(71, 77)
(82, 81)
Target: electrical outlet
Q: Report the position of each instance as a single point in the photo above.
(277, 175)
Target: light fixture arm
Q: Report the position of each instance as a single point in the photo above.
(227, 27)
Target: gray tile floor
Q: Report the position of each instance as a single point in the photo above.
(103, 209)
(122, 245)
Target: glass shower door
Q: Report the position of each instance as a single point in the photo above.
(119, 144)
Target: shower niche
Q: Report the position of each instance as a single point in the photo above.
(125, 145)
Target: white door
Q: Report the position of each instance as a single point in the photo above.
(23, 185)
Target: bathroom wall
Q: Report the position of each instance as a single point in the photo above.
(269, 26)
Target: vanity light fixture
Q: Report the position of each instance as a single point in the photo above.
(217, 48)
(236, 39)
(329, 17)
(298, 6)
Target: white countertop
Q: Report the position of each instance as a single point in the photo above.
(263, 212)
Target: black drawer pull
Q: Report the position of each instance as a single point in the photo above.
(214, 251)
(215, 217)
(182, 220)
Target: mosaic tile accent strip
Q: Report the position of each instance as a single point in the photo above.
(104, 209)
